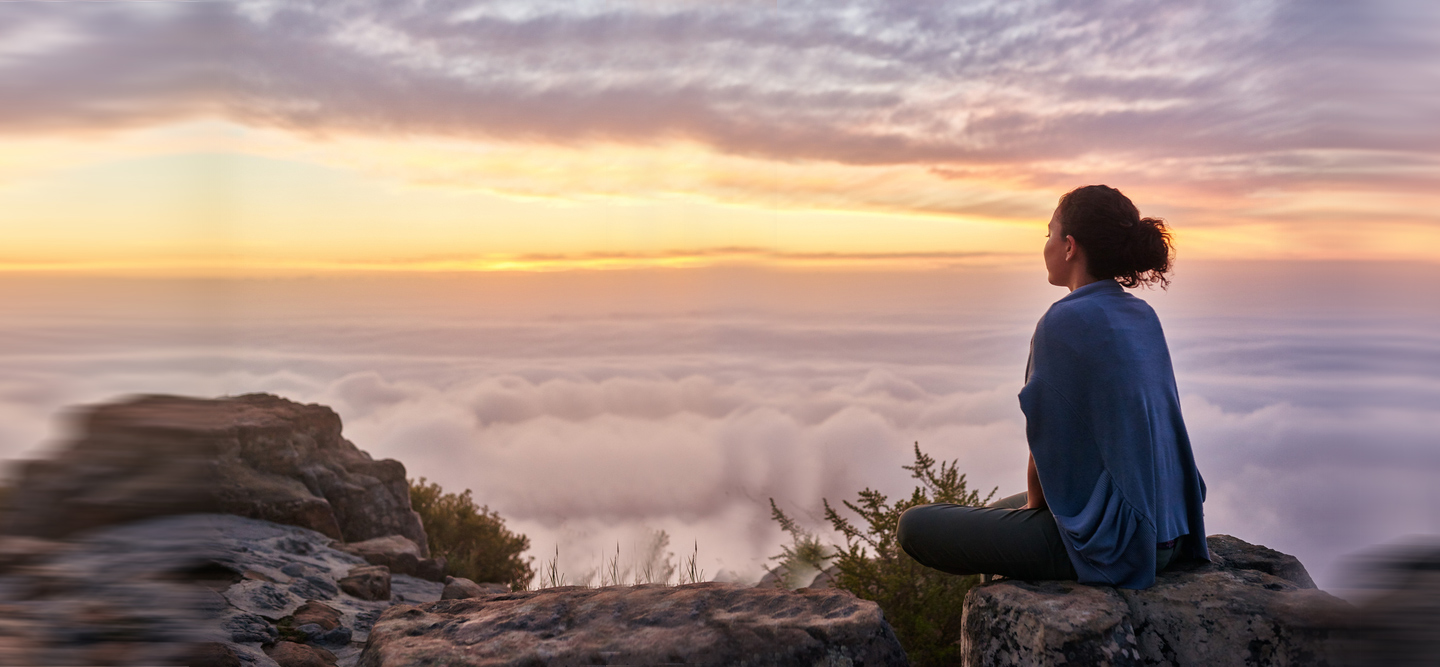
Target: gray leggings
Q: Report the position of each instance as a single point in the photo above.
(999, 538)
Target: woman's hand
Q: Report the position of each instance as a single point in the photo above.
(1035, 496)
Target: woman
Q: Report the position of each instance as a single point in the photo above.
(1113, 494)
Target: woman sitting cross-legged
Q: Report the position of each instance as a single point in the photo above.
(1113, 493)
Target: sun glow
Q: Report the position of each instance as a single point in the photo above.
(216, 197)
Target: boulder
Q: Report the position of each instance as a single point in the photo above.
(460, 588)
(256, 455)
(826, 578)
(1237, 610)
(290, 654)
(400, 554)
(369, 582)
(695, 624)
(212, 654)
(772, 579)
(318, 613)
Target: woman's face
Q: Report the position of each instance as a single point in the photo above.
(1056, 247)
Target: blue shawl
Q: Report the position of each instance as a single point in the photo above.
(1103, 420)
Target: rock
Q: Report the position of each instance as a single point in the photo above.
(17, 550)
(290, 654)
(430, 569)
(826, 578)
(249, 629)
(313, 587)
(1399, 619)
(269, 600)
(460, 588)
(133, 594)
(257, 456)
(19, 651)
(315, 623)
(339, 636)
(212, 654)
(371, 582)
(143, 594)
(805, 577)
(1233, 553)
(694, 624)
(398, 553)
(319, 613)
(388, 546)
(1202, 614)
(772, 579)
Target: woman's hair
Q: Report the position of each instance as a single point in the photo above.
(1118, 242)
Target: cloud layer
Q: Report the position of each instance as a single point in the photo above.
(683, 404)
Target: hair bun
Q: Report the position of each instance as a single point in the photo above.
(1118, 242)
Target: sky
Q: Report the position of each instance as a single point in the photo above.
(262, 137)
(628, 266)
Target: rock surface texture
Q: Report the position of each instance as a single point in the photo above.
(196, 589)
(696, 624)
(257, 456)
(1252, 606)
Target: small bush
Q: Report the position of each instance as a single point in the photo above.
(805, 556)
(473, 540)
(921, 604)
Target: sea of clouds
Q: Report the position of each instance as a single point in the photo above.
(593, 408)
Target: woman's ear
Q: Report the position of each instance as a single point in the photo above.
(1071, 248)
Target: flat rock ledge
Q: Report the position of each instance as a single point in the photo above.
(1252, 606)
(695, 624)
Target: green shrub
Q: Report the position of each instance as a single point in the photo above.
(921, 604)
(473, 540)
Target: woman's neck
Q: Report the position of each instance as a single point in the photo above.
(1079, 277)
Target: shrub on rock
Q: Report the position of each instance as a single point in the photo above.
(923, 605)
(472, 539)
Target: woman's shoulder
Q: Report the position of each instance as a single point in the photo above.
(1099, 315)
(1103, 299)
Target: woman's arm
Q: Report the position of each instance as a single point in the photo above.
(1035, 496)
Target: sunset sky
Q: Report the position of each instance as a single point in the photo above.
(254, 137)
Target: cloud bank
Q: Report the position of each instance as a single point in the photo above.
(593, 409)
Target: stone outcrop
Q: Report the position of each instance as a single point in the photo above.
(1250, 606)
(257, 456)
(696, 624)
